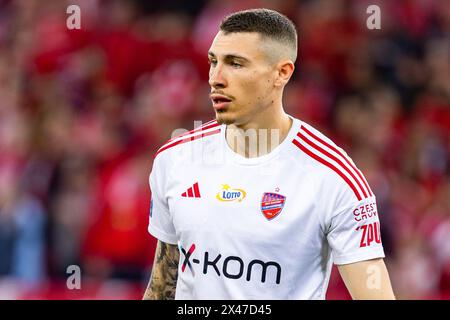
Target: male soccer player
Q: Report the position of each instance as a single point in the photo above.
(235, 225)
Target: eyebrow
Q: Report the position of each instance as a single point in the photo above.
(230, 56)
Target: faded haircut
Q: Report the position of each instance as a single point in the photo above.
(268, 23)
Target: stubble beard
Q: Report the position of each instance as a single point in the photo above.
(223, 118)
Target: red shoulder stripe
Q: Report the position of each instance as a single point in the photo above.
(206, 126)
(331, 156)
(188, 139)
(343, 156)
(329, 165)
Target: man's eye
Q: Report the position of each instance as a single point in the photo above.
(212, 62)
(235, 64)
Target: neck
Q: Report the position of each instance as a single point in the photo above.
(260, 135)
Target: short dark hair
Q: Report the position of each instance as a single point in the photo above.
(268, 23)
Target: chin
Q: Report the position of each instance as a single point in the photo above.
(224, 118)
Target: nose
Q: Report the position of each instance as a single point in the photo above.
(217, 78)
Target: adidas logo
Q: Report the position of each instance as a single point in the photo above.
(192, 192)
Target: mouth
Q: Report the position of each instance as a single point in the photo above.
(220, 102)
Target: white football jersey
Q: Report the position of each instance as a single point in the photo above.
(266, 227)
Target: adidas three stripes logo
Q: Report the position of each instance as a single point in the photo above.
(192, 192)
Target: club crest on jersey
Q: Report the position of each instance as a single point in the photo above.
(272, 204)
(228, 194)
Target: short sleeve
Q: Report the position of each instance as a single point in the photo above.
(354, 232)
(160, 219)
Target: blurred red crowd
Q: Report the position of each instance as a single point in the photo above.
(82, 113)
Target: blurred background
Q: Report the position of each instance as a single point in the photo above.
(82, 112)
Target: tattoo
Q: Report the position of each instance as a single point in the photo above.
(164, 276)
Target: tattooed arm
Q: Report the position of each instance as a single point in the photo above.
(164, 276)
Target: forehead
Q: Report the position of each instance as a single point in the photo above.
(245, 44)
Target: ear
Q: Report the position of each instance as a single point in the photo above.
(285, 69)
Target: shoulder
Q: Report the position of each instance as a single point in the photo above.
(181, 150)
(330, 163)
(185, 141)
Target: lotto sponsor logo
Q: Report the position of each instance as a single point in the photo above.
(370, 234)
(228, 194)
(365, 211)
